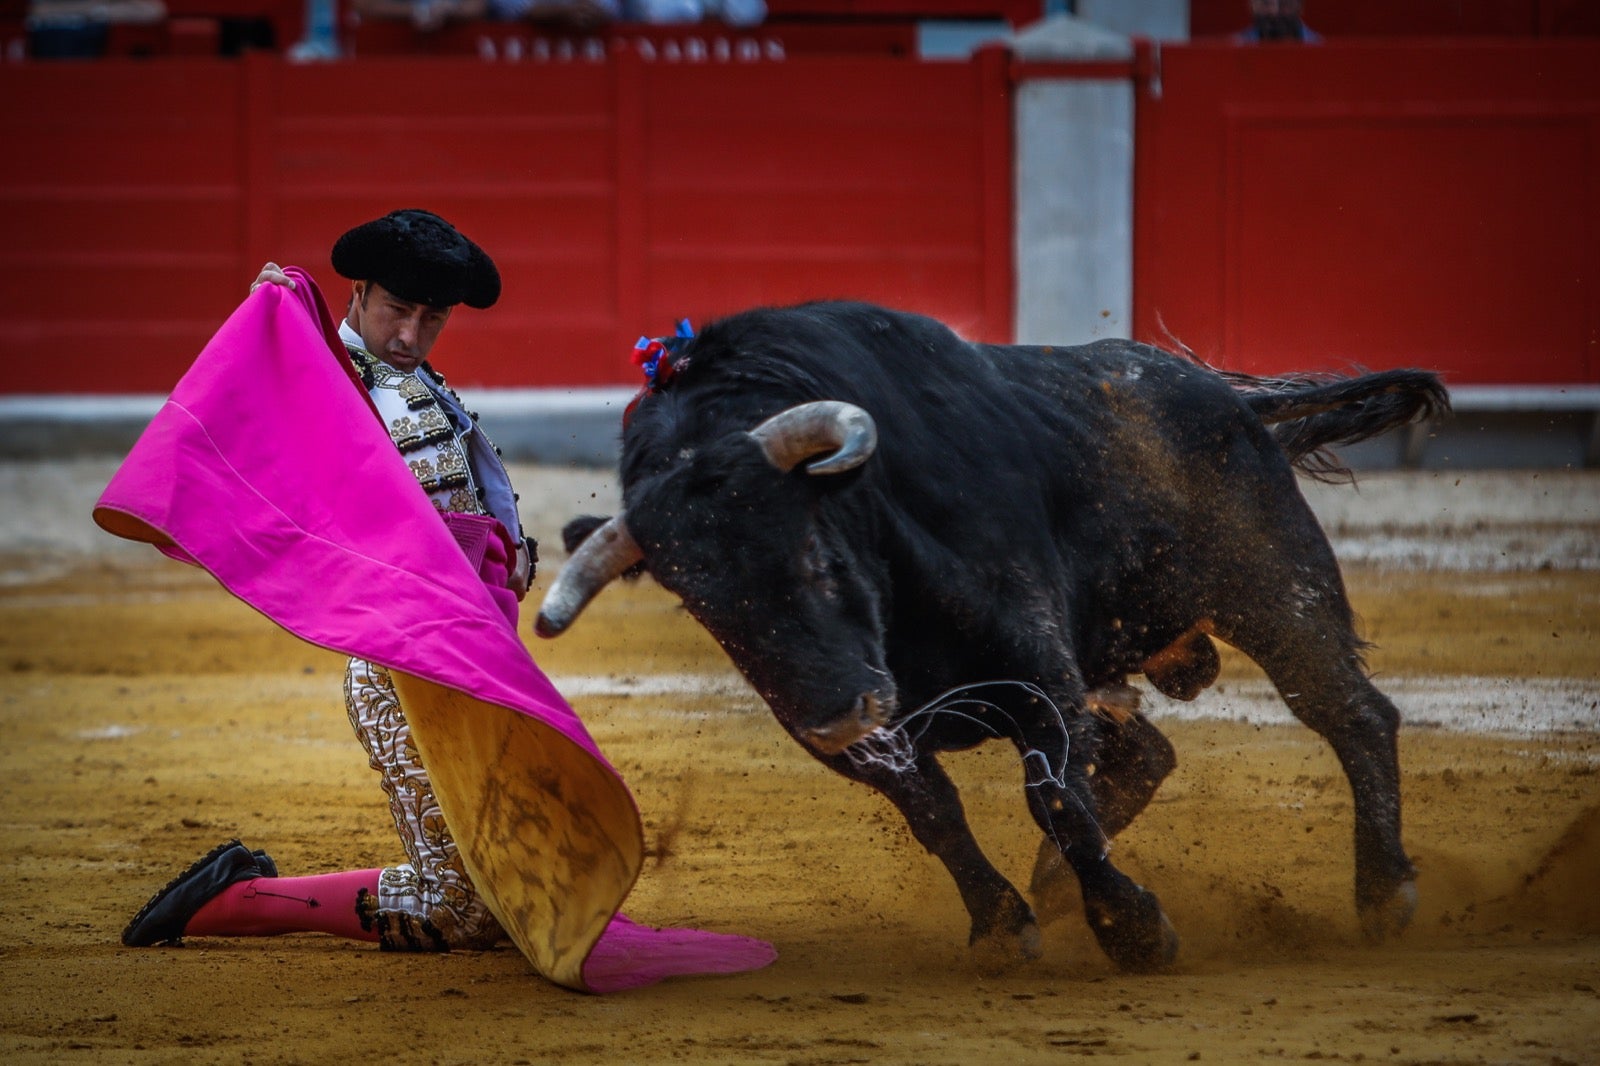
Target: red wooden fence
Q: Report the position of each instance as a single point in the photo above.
(616, 196)
(1382, 204)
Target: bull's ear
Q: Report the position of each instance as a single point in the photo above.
(575, 532)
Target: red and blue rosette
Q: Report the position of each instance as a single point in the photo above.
(658, 358)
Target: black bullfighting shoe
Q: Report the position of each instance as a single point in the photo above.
(162, 920)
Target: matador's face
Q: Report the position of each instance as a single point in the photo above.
(399, 332)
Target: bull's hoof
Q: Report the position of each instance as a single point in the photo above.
(1388, 918)
(1138, 938)
(999, 953)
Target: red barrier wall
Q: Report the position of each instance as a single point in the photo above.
(615, 196)
(1382, 204)
(1385, 203)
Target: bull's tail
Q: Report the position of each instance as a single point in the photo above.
(1310, 414)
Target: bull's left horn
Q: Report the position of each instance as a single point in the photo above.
(843, 430)
(599, 560)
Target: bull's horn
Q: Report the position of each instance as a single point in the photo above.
(599, 560)
(843, 430)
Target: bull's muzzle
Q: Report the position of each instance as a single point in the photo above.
(867, 714)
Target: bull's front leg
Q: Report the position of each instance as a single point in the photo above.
(1130, 758)
(1004, 930)
(1126, 919)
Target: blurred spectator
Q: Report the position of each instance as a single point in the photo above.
(579, 15)
(1277, 20)
(592, 14)
(76, 29)
(574, 15)
(425, 15)
(732, 12)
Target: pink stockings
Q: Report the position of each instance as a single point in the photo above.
(425, 904)
(268, 906)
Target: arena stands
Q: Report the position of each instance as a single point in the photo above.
(79, 29)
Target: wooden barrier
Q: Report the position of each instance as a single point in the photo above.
(1386, 203)
(1380, 204)
(617, 195)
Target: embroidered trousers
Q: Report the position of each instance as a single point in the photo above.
(427, 903)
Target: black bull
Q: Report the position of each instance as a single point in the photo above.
(909, 543)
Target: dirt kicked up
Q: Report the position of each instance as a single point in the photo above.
(149, 716)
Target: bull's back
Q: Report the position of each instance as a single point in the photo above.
(1142, 425)
(1148, 436)
(1164, 476)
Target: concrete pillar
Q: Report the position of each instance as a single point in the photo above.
(1074, 189)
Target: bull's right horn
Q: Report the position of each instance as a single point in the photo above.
(599, 560)
(843, 430)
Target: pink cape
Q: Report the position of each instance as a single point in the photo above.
(268, 467)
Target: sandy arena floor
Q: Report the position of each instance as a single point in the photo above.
(149, 716)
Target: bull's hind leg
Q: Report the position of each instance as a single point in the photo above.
(1314, 660)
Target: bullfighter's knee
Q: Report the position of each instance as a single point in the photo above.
(439, 930)
(418, 912)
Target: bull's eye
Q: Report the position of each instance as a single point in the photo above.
(816, 569)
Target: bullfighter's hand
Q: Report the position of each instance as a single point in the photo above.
(271, 274)
(522, 574)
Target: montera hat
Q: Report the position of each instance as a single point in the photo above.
(420, 258)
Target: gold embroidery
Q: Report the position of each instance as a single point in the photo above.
(444, 473)
(430, 426)
(451, 458)
(415, 393)
(433, 421)
(428, 902)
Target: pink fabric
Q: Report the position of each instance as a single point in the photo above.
(630, 955)
(487, 544)
(252, 470)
